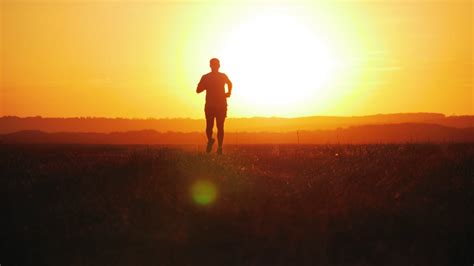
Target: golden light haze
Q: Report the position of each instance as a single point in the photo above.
(145, 58)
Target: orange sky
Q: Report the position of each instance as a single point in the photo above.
(144, 58)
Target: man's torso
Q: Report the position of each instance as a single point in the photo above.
(214, 83)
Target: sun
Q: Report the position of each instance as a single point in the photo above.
(278, 63)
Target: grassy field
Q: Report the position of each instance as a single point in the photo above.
(255, 205)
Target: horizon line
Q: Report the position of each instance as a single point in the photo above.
(237, 117)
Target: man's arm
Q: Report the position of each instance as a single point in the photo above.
(200, 88)
(229, 86)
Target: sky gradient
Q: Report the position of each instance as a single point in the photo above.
(140, 59)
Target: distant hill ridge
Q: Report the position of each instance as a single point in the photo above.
(389, 133)
(10, 124)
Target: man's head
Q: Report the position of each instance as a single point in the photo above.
(215, 64)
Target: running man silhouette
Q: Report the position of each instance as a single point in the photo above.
(216, 102)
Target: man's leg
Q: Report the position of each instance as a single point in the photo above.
(220, 131)
(209, 127)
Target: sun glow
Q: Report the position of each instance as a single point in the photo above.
(286, 58)
(279, 63)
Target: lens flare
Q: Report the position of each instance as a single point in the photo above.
(203, 192)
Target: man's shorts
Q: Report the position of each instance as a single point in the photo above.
(218, 112)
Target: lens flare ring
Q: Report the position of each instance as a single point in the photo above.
(203, 192)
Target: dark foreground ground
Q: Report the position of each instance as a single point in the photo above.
(276, 205)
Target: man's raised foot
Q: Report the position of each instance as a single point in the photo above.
(210, 143)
